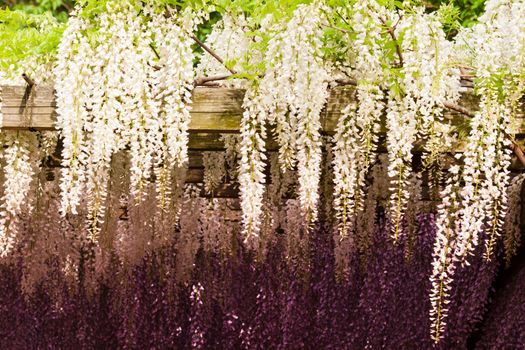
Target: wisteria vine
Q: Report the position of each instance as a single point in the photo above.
(112, 178)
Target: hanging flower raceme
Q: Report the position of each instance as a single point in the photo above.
(429, 75)
(416, 93)
(428, 79)
(291, 94)
(444, 263)
(431, 78)
(20, 158)
(369, 74)
(348, 180)
(357, 132)
(251, 169)
(124, 81)
(401, 125)
(486, 175)
(295, 86)
(497, 42)
(71, 108)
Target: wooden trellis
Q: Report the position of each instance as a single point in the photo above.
(215, 110)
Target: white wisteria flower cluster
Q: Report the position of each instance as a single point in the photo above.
(295, 87)
(20, 158)
(123, 81)
(290, 95)
(251, 169)
(428, 78)
(357, 130)
(486, 175)
(402, 130)
(410, 81)
(348, 177)
(443, 265)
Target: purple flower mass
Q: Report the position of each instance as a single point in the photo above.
(243, 302)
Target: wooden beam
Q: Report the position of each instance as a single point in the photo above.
(214, 109)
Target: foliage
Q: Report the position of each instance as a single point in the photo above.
(25, 37)
(466, 11)
(59, 8)
(19, 43)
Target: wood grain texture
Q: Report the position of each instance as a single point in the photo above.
(214, 110)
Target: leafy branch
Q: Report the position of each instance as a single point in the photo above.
(391, 31)
(212, 52)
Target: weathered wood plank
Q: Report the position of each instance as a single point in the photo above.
(213, 109)
(217, 100)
